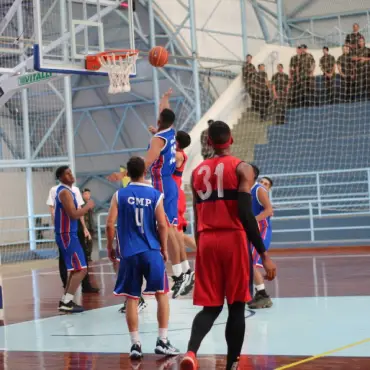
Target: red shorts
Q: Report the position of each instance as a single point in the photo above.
(181, 209)
(223, 268)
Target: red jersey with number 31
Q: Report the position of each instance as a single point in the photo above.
(216, 183)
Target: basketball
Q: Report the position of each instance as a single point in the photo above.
(158, 56)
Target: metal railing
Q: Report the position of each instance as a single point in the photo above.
(311, 210)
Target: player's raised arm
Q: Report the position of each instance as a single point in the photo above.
(165, 100)
(162, 226)
(266, 204)
(246, 180)
(66, 199)
(110, 227)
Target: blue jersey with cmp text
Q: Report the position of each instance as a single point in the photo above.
(136, 222)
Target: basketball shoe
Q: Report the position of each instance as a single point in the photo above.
(260, 300)
(180, 284)
(165, 348)
(190, 283)
(135, 352)
(70, 307)
(141, 306)
(189, 361)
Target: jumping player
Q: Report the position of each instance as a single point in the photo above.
(161, 161)
(67, 213)
(262, 209)
(142, 233)
(224, 221)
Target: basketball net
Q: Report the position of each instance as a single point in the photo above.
(119, 69)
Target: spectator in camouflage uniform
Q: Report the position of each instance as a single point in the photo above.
(249, 70)
(280, 88)
(261, 91)
(306, 78)
(293, 75)
(352, 39)
(347, 75)
(361, 61)
(327, 65)
(89, 222)
(207, 150)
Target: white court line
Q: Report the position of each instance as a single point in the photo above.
(55, 272)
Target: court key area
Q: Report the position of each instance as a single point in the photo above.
(318, 321)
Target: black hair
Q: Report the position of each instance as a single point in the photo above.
(256, 171)
(325, 48)
(135, 168)
(167, 118)
(260, 65)
(210, 121)
(304, 46)
(280, 65)
(86, 190)
(249, 55)
(60, 171)
(219, 132)
(269, 180)
(183, 139)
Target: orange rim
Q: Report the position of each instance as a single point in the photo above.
(119, 53)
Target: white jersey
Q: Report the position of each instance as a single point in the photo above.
(53, 192)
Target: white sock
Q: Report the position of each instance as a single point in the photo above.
(177, 270)
(68, 297)
(260, 287)
(134, 335)
(185, 266)
(162, 334)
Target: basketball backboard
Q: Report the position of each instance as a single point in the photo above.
(68, 30)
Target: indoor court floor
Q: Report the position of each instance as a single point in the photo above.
(319, 320)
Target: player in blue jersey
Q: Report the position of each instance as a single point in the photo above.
(142, 233)
(262, 210)
(67, 213)
(160, 161)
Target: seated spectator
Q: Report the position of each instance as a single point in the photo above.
(347, 74)
(261, 91)
(353, 38)
(206, 149)
(280, 88)
(361, 61)
(327, 65)
(306, 78)
(249, 70)
(293, 75)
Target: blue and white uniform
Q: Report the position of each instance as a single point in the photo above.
(66, 234)
(161, 172)
(138, 242)
(264, 225)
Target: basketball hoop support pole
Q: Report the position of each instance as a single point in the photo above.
(194, 47)
(154, 69)
(244, 27)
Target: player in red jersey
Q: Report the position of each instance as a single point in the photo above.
(224, 220)
(183, 140)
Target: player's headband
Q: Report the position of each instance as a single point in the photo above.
(221, 146)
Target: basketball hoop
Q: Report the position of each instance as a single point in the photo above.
(118, 64)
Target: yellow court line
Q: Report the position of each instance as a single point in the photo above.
(323, 354)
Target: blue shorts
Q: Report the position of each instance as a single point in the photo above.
(168, 187)
(72, 252)
(266, 235)
(132, 270)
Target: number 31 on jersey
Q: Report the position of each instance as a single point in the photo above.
(219, 173)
